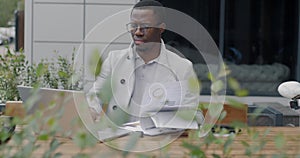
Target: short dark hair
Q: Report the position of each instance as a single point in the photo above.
(156, 6)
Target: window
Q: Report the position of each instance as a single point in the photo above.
(250, 32)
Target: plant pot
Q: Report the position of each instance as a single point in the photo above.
(15, 109)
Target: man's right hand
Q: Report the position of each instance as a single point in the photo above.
(95, 115)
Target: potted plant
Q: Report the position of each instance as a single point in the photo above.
(50, 73)
(12, 65)
(15, 70)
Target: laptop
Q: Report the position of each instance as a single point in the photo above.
(68, 107)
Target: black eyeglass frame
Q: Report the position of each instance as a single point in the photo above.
(143, 27)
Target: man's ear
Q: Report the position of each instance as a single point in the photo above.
(162, 27)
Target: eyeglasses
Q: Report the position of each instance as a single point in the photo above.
(132, 27)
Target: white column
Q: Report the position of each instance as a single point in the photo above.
(28, 30)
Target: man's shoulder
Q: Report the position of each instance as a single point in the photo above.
(117, 54)
(180, 60)
(120, 51)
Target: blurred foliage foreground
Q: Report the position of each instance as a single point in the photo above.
(36, 133)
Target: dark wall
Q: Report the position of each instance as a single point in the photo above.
(256, 31)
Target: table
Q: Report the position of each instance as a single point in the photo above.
(255, 141)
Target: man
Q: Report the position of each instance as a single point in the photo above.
(146, 76)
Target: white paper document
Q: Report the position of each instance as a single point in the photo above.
(160, 108)
(161, 123)
(169, 119)
(108, 134)
(149, 129)
(164, 96)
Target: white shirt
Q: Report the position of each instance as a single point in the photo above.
(146, 74)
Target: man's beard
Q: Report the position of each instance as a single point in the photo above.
(141, 48)
(146, 46)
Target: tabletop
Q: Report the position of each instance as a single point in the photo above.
(250, 142)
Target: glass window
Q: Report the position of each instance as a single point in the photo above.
(257, 33)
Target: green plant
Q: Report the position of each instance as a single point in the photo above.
(7, 9)
(40, 128)
(12, 66)
(15, 70)
(53, 73)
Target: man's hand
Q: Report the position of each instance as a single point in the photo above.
(95, 115)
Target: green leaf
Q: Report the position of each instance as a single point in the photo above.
(228, 143)
(43, 137)
(95, 63)
(233, 83)
(40, 69)
(62, 74)
(144, 156)
(248, 152)
(217, 86)
(106, 94)
(57, 155)
(47, 154)
(279, 141)
(266, 132)
(203, 106)
(81, 155)
(28, 149)
(216, 156)
(17, 137)
(80, 140)
(281, 155)
(234, 103)
(224, 71)
(54, 144)
(214, 110)
(51, 121)
(83, 140)
(195, 151)
(131, 143)
(211, 77)
(186, 114)
(194, 85)
(245, 143)
(223, 115)
(241, 92)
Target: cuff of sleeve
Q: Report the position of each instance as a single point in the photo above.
(94, 103)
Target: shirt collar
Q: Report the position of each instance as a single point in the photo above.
(161, 59)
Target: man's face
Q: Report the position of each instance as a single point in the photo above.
(147, 34)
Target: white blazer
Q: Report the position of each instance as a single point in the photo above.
(117, 73)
